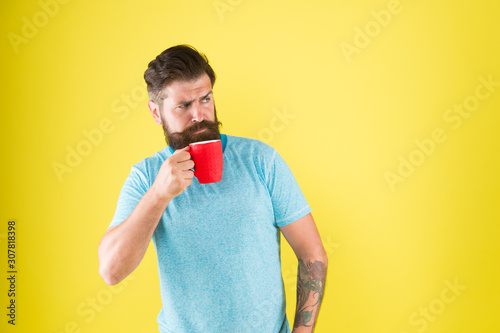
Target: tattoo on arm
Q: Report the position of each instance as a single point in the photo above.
(310, 290)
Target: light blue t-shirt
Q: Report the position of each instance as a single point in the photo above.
(218, 245)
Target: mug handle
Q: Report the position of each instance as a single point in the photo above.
(189, 151)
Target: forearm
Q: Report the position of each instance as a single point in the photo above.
(311, 279)
(123, 247)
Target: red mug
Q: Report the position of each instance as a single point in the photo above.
(207, 158)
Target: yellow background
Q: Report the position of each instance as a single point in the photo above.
(393, 250)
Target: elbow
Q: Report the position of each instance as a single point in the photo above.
(108, 276)
(116, 261)
(316, 254)
(324, 257)
(107, 271)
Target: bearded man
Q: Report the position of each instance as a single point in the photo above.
(217, 244)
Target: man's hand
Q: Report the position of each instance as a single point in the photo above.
(175, 175)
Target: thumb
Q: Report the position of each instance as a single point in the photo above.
(182, 149)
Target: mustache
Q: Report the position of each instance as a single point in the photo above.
(204, 124)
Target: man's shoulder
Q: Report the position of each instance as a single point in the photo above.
(249, 145)
(154, 161)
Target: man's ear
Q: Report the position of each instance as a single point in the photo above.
(155, 111)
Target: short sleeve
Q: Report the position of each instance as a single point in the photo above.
(288, 201)
(134, 188)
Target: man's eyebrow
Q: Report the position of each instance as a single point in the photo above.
(208, 94)
(191, 101)
(184, 102)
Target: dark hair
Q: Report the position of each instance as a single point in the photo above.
(177, 63)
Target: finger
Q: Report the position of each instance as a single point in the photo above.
(179, 151)
(187, 174)
(181, 155)
(187, 183)
(186, 165)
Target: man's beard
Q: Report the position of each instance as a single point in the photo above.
(178, 140)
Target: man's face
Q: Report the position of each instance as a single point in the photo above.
(187, 113)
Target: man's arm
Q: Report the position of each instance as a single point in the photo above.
(122, 247)
(304, 238)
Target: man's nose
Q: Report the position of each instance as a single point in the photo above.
(197, 114)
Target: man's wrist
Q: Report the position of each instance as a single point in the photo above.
(159, 196)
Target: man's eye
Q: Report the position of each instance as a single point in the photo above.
(205, 100)
(182, 106)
